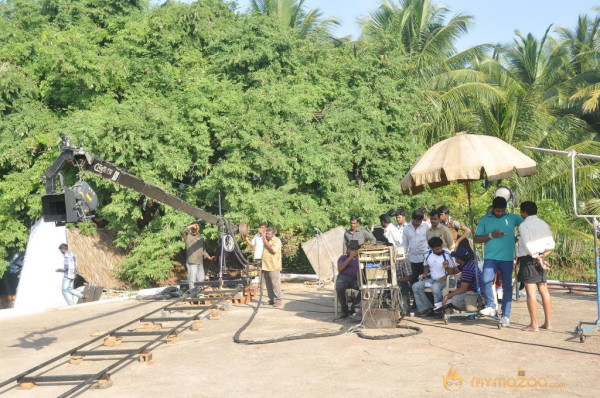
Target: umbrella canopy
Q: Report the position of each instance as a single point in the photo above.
(466, 157)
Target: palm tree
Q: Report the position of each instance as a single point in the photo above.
(583, 46)
(582, 43)
(519, 95)
(523, 93)
(420, 29)
(291, 13)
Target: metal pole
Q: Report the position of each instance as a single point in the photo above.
(222, 245)
(595, 226)
(558, 152)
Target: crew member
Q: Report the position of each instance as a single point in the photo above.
(347, 278)
(436, 261)
(195, 254)
(356, 233)
(440, 230)
(257, 243)
(535, 244)
(455, 226)
(271, 266)
(414, 241)
(392, 235)
(470, 282)
(70, 271)
(496, 230)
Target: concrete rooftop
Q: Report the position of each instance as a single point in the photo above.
(207, 363)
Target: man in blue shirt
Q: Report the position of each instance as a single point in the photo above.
(496, 230)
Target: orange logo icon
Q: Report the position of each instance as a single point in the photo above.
(452, 381)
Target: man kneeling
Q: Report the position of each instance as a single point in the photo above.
(468, 279)
(347, 278)
(436, 261)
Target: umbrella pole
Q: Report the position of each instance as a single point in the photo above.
(468, 184)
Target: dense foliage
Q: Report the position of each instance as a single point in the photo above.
(287, 123)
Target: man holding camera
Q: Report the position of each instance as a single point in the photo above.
(194, 254)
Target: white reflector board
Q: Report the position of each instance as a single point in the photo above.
(323, 252)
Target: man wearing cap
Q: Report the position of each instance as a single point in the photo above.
(471, 281)
(347, 278)
(496, 230)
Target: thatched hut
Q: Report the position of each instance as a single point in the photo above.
(97, 257)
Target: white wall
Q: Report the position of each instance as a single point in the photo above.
(40, 286)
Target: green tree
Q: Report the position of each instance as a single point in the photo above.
(292, 14)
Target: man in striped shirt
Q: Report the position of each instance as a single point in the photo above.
(471, 282)
(70, 271)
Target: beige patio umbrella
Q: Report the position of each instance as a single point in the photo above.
(465, 158)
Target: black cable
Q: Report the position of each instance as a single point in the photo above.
(508, 341)
(236, 337)
(417, 330)
(312, 302)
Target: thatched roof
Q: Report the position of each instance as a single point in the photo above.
(97, 257)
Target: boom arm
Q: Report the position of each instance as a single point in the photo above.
(87, 161)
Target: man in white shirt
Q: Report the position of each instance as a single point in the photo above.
(400, 219)
(70, 271)
(436, 260)
(414, 242)
(392, 234)
(257, 243)
(535, 243)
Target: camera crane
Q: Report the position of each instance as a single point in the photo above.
(77, 203)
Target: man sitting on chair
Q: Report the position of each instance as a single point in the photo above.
(347, 278)
(436, 261)
(469, 279)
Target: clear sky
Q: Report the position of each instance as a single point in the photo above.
(495, 20)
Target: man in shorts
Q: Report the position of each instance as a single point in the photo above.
(535, 243)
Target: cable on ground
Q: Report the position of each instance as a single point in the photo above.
(236, 338)
(509, 341)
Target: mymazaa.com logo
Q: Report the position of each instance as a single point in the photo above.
(453, 381)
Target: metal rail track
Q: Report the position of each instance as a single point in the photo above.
(572, 286)
(101, 379)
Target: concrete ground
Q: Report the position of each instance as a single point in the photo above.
(207, 363)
